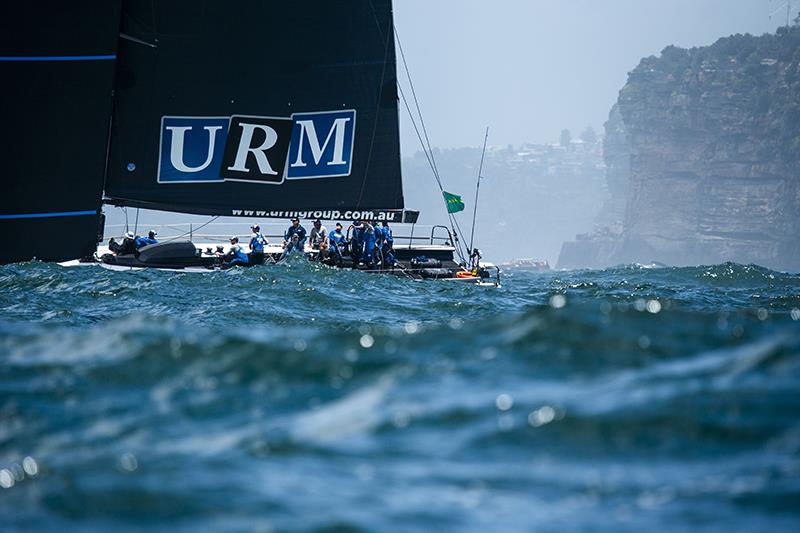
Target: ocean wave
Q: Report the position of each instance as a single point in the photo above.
(153, 397)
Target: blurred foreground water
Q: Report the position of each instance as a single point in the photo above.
(300, 398)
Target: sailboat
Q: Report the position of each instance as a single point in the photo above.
(254, 110)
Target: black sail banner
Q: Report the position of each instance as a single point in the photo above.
(256, 107)
(57, 69)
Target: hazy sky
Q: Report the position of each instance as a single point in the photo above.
(529, 68)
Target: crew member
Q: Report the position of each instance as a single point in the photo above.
(295, 229)
(294, 245)
(144, 241)
(336, 241)
(128, 245)
(377, 251)
(257, 244)
(367, 232)
(475, 259)
(387, 244)
(319, 238)
(235, 255)
(356, 242)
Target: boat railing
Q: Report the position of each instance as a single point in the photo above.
(274, 232)
(432, 239)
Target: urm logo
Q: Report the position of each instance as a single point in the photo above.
(256, 149)
(191, 149)
(322, 145)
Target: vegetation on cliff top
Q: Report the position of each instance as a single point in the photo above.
(761, 74)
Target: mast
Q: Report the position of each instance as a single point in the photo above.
(477, 190)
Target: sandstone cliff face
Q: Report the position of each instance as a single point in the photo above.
(714, 139)
(617, 157)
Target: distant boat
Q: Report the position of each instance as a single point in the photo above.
(527, 264)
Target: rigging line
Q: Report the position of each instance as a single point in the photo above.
(387, 40)
(453, 222)
(477, 189)
(135, 40)
(414, 94)
(375, 18)
(426, 149)
(429, 154)
(139, 25)
(458, 226)
(419, 137)
(191, 230)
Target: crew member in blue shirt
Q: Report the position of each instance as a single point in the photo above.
(367, 234)
(387, 244)
(294, 245)
(336, 240)
(257, 244)
(235, 255)
(356, 242)
(378, 249)
(144, 241)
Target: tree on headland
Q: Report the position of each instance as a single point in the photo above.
(566, 138)
(589, 136)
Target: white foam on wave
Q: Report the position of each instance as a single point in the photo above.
(716, 370)
(352, 415)
(62, 346)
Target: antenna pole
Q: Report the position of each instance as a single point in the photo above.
(477, 190)
(788, 5)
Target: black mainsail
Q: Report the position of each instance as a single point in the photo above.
(256, 108)
(253, 108)
(57, 69)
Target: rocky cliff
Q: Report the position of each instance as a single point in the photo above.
(714, 140)
(598, 249)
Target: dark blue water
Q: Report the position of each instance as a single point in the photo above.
(301, 398)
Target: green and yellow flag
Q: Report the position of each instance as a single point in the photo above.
(453, 201)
